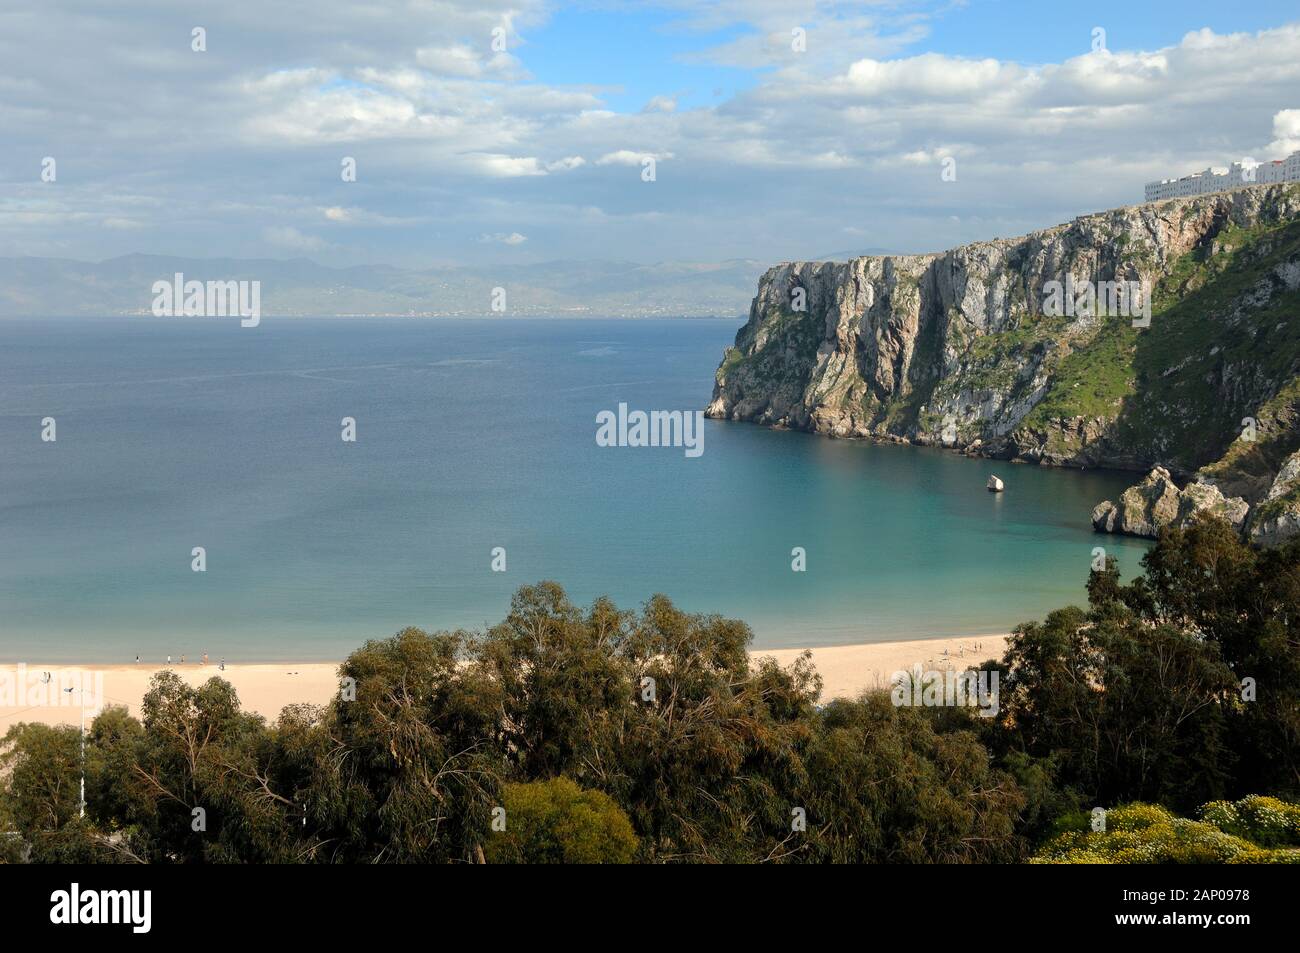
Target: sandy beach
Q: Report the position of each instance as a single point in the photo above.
(848, 669)
(266, 687)
(263, 687)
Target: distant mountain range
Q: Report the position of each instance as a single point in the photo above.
(119, 286)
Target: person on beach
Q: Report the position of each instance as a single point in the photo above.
(169, 660)
(137, 659)
(223, 663)
(182, 659)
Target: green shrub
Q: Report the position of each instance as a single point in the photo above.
(557, 822)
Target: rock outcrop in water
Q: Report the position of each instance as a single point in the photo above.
(963, 348)
(1157, 502)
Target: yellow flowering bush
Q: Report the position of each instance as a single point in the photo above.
(1253, 830)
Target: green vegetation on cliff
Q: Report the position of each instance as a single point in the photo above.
(1223, 343)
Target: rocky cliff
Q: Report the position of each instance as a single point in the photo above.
(1157, 502)
(971, 349)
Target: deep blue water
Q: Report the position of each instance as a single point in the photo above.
(471, 435)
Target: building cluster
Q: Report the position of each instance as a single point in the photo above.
(1219, 178)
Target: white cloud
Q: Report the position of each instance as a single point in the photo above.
(1286, 134)
(930, 76)
(159, 150)
(466, 61)
(353, 215)
(567, 164)
(504, 238)
(501, 166)
(631, 157)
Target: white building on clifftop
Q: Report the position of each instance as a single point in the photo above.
(1219, 178)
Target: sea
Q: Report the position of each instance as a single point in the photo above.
(475, 470)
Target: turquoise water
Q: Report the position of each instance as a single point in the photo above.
(178, 433)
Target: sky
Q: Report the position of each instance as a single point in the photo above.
(519, 131)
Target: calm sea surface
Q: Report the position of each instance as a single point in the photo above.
(178, 433)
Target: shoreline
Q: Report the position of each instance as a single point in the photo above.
(267, 687)
(965, 450)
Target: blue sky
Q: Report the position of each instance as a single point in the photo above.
(638, 51)
(471, 154)
(1031, 31)
(635, 54)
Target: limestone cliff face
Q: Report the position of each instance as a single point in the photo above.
(956, 348)
(962, 349)
(1277, 517)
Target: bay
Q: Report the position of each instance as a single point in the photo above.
(471, 435)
